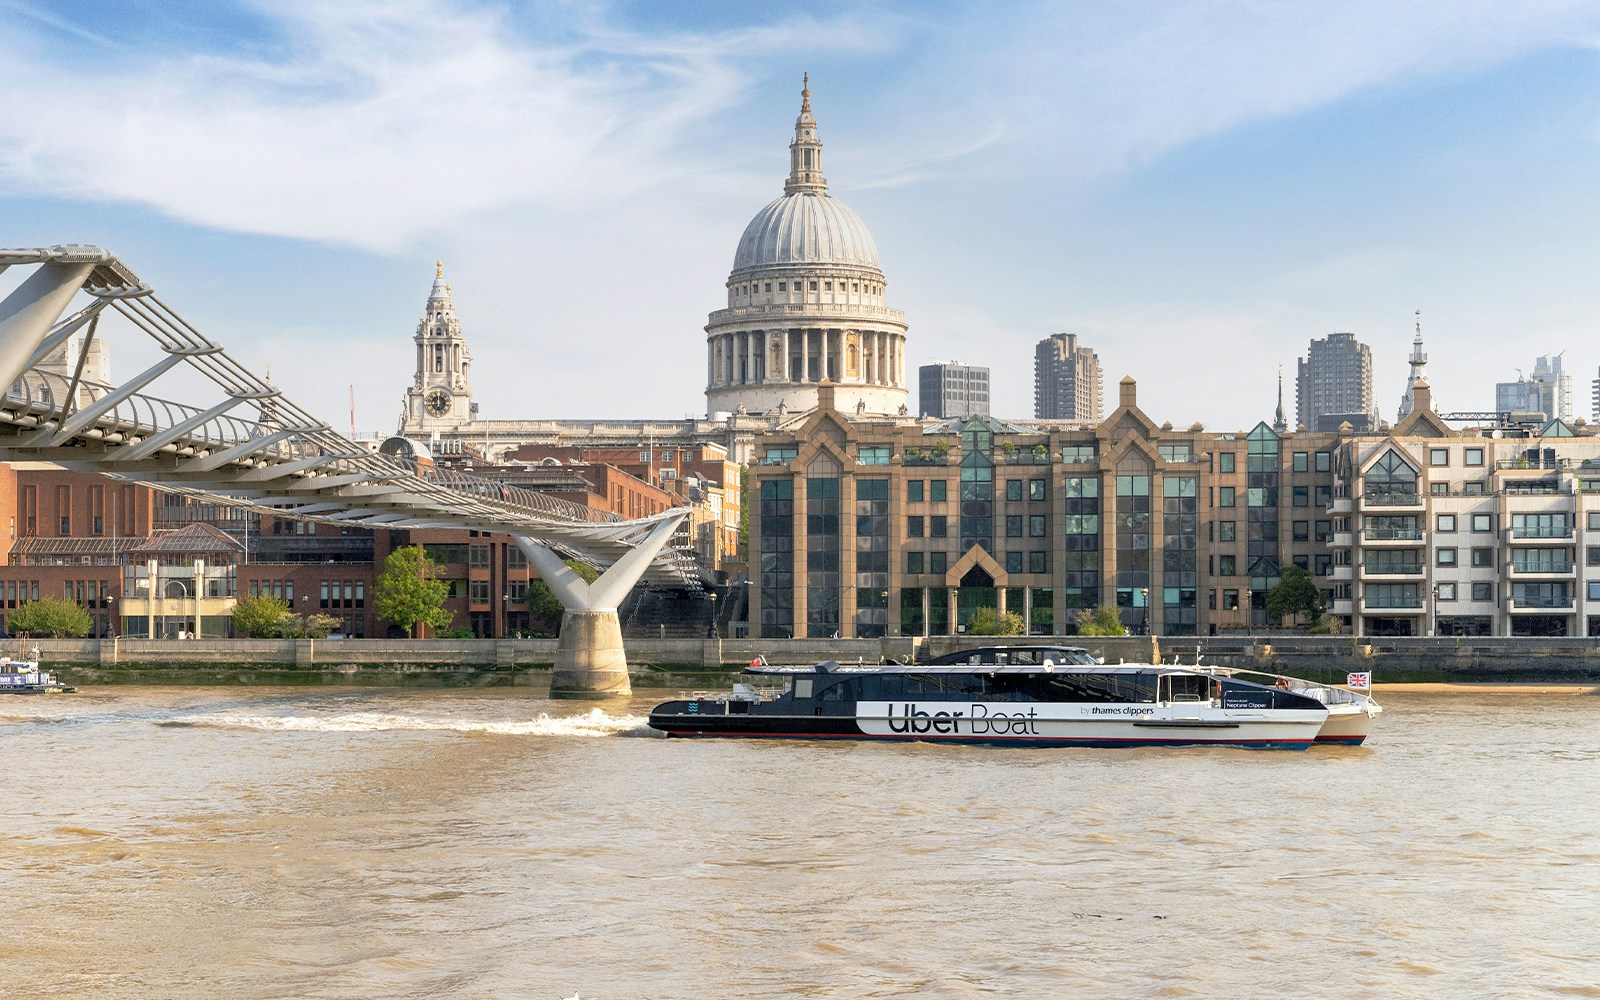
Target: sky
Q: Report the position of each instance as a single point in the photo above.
(1197, 189)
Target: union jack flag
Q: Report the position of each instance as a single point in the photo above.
(1359, 681)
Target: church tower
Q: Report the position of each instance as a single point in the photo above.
(440, 397)
(1419, 366)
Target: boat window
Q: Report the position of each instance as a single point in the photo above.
(845, 690)
(802, 687)
(1187, 687)
(1100, 688)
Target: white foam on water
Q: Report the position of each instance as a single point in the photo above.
(593, 723)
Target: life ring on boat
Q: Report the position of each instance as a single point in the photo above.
(1282, 684)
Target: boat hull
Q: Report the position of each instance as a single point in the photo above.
(1347, 727)
(707, 720)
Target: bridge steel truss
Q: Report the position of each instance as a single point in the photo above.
(252, 447)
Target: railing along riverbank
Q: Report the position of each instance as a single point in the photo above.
(526, 661)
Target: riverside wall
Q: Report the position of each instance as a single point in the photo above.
(674, 662)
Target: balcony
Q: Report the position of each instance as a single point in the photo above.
(1541, 537)
(1543, 570)
(1341, 505)
(1345, 572)
(1339, 606)
(1400, 610)
(1540, 607)
(1376, 499)
(1391, 536)
(1341, 540)
(1400, 570)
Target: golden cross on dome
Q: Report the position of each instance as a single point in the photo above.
(438, 269)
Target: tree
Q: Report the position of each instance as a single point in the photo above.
(260, 617)
(1104, 620)
(989, 621)
(545, 609)
(51, 617)
(1295, 594)
(406, 594)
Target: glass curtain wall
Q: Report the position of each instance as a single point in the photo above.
(777, 558)
(872, 558)
(1180, 569)
(1261, 515)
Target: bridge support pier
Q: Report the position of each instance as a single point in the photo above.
(590, 660)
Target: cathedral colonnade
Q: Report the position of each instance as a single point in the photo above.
(806, 354)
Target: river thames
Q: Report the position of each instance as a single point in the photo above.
(262, 843)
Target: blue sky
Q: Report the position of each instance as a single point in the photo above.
(1197, 189)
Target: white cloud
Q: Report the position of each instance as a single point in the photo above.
(380, 122)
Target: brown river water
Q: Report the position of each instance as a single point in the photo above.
(254, 843)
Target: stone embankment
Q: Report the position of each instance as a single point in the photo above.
(692, 662)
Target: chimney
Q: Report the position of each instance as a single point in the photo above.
(1129, 392)
(1421, 395)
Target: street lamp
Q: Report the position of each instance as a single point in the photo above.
(1144, 610)
(712, 631)
(1249, 619)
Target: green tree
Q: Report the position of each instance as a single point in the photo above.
(52, 617)
(545, 608)
(406, 594)
(1295, 594)
(1104, 620)
(989, 621)
(260, 617)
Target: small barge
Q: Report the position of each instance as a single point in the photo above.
(1013, 696)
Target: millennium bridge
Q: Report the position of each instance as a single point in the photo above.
(236, 439)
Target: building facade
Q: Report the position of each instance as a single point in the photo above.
(806, 304)
(864, 526)
(1334, 385)
(871, 526)
(951, 389)
(1066, 380)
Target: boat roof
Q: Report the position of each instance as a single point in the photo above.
(834, 667)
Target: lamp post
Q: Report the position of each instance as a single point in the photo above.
(1144, 610)
(1249, 606)
(712, 631)
(1433, 612)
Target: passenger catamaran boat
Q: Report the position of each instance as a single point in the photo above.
(1026, 696)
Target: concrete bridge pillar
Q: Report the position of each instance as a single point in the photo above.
(590, 661)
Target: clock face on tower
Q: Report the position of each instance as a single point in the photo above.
(437, 402)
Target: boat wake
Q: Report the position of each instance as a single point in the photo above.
(595, 722)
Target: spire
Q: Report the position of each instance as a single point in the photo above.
(1279, 424)
(440, 290)
(1419, 364)
(805, 152)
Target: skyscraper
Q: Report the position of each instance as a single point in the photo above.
(1334, 385)
(1546, 390)
(1066, 380)
(952, 389)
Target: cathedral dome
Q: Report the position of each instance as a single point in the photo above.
(805, 228)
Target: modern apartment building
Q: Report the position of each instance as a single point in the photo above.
(1066, 380)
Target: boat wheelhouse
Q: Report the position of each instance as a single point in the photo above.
(1017, 696)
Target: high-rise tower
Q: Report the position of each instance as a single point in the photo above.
(1066, 380)
(1334, 385)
